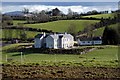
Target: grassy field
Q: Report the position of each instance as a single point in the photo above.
(15, 33)
(15, 22)
(99, 32)
(57, 26)
(101, 15)
(100, 57)
(62, 25)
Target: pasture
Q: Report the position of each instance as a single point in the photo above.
(111, 15)
(16, 22)
(62, 25)
(107, 56)
(99, 31)
(14, 33)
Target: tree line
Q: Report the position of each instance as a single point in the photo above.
(111, 35)
(53, 15)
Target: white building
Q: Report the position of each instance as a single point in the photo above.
(94, 41)
(39, 40)
(55, 41)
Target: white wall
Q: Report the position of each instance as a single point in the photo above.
(90, 42)
(49, 42)
(67, 42)
(98, 42)
(37, 43)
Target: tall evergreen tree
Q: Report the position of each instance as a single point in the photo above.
(104, 39)
(110, 36)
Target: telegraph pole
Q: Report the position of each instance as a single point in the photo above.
(21, 58)
(6, 57)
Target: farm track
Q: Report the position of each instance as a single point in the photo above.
(15, 72)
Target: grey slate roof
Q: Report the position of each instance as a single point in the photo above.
(89, 39)
(54, 36)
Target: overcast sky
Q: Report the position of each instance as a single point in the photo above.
(60, 0)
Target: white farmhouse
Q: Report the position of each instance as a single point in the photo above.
(87, 41)
(55, 41)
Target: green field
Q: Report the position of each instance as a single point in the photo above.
(100, 57)
(15, 22)
(62, 25)
(15, 33)
(115, 26)
(101, 15)
(99, 31)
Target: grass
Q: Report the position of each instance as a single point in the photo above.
(99, 32)
(62, 25)
(15, 22)
(100, 57)
(14, 33)
(114, 26)
(111, 15)
(14, 46)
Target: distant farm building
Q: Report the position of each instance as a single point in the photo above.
(55, 41)
(88, 41)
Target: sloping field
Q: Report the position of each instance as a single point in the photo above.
(14, 33)
(99, 32)
(62, 25)
(15, 22)
(101, 15)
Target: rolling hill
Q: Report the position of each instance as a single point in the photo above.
(99, 32)
(62, 25)
(16, 33)
(100, 16)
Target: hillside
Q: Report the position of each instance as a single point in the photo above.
(16, 22)
(100, 16)
(56, 26)
(16, 33)
(62, 25)
(99, 32)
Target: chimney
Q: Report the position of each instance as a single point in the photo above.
(65, 33)
(54, 33)
(44, 34)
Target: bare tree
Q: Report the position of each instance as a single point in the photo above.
(25, 11)
(89, 30)
(72, 29)
(6, 20)
(70, 13)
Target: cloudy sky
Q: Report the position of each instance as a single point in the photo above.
(60, 0)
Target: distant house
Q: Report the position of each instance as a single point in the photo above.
(55, 41)
(88, 41)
